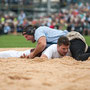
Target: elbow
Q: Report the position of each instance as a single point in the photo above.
(43, 46)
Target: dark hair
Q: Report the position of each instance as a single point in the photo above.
(63, 40)
(29, 30)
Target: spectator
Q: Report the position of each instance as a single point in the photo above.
(1, 29)
(21, 18)
(7, 28)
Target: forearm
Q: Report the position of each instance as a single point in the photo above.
(39, 48)
(41, 45)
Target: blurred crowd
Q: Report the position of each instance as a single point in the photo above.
(74, 18)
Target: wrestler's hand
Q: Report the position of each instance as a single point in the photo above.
(23, 56)
(30, 56)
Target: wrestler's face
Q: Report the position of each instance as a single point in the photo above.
(63, 49)
(29, 38)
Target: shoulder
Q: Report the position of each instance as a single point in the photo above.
(42, 28)
(39, 32)
(50, 49)
(53, 47)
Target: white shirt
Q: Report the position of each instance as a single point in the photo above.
(51, 52)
